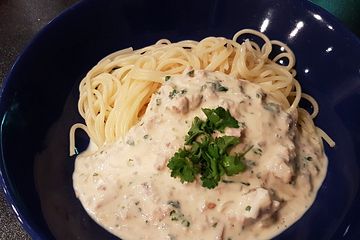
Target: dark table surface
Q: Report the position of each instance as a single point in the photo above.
(20, 20)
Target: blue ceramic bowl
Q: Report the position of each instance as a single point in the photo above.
(38, 103)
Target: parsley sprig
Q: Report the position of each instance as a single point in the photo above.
(205, 155)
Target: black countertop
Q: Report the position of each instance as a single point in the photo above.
(20, 20)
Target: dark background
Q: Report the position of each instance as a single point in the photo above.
(20, 20)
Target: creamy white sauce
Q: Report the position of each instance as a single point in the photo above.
(126, 187)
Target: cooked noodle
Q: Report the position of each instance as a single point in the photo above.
(115, 93)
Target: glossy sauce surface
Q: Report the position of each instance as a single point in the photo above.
(127, 188)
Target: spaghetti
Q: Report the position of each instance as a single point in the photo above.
(114, 94)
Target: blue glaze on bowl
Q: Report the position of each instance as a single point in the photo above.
(38, 103)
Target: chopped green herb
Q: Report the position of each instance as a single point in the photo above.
(257, 151)
(167, 78)
(175, 204)
(173, 93)
(95, 174)
(206, 155)
(248, 208)
(130, 162)
(183, 91)
(216, 86)
(197, 128)
(272, 107)
(245, 183)
(233, 165)
(261, 95)
(227, 181)
(176, 215)
(183, 167)
(185, 223)
(146, 136)
(191, 73)
(158, 102)
(250, 163)
(219, 119)
(214, 225)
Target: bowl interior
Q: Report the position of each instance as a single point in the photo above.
(39, 100)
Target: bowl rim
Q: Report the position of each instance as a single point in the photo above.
(9, 191)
